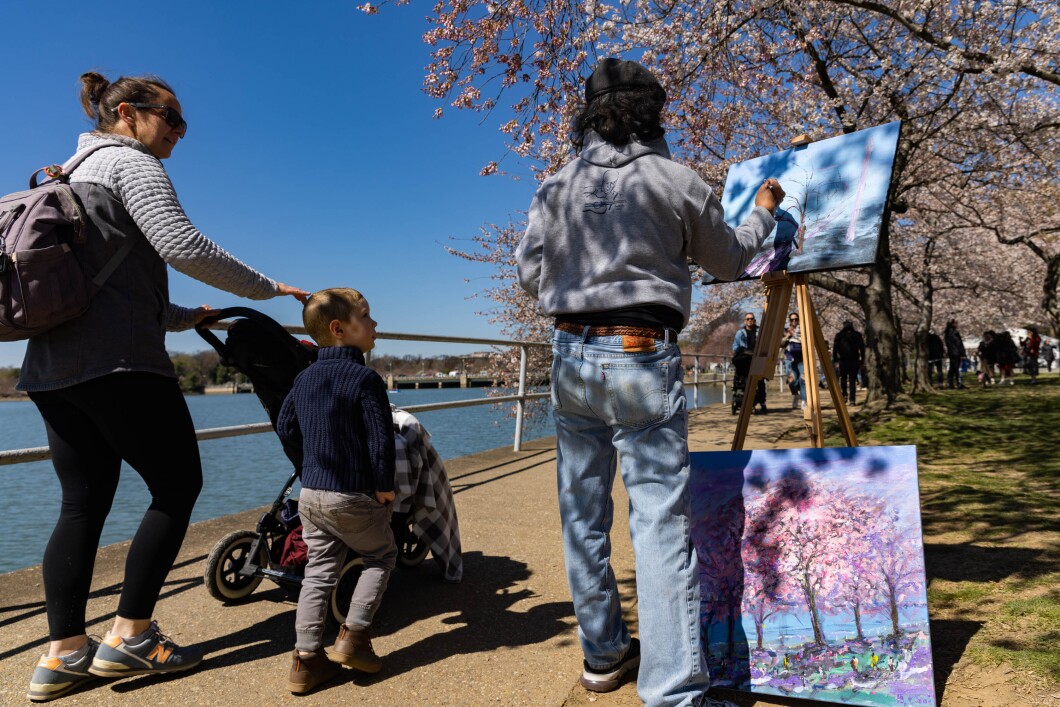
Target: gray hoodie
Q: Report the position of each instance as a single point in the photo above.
(615, 226)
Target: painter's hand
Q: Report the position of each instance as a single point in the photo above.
(384, 497)
(769, 195)
(300, 295)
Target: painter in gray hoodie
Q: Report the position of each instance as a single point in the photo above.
(605, 253)
(613, 228)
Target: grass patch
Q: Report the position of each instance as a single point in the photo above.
(990, 505)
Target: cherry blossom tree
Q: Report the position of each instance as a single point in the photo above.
(973, 82)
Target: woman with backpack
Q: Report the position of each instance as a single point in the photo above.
(107, 391)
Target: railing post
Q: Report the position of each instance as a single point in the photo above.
(695, 381)
(520, 404)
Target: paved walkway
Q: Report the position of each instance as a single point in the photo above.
(505, 636)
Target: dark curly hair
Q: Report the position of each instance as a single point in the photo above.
(620, 115)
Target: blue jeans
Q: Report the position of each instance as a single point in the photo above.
(800, 380)
(608, 403)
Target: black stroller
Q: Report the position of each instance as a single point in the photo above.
(260, 348)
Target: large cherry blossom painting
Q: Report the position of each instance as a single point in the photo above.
(836, 199)
(811, 571)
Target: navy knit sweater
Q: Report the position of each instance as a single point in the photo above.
(338, 412)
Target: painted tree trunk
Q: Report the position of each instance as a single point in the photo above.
(811, 604)
(857, 620)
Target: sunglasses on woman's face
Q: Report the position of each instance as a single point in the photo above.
(173, 118)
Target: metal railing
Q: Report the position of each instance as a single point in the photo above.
(34, 454)
(721, 376)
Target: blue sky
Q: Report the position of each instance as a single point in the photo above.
(311, 152)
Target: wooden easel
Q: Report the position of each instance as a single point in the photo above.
(764, 362)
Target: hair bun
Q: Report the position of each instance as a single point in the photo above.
(93, 86)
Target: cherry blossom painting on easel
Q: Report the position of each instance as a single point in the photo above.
(836, 199)
(811, 570)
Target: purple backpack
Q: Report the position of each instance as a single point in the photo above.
(42, 281)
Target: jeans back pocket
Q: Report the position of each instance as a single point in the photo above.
(638, 392)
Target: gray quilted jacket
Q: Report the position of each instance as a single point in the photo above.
(127, 194)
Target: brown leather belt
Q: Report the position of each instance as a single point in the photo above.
(617, 330)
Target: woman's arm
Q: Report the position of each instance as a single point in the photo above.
(149, 197)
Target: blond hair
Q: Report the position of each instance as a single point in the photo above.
(326, 306)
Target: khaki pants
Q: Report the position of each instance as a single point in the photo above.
(332, 523)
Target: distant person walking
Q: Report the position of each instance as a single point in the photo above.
(1007, 357)
(743, 348)
(955, 353)
(848, 349)
(987, 353)
(1048, 355)
(792, 343)
(605, 253)
(1033, 344)
(936, 352)
(108, 393)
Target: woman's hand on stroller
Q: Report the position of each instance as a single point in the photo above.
(384, 497)
(202, 312)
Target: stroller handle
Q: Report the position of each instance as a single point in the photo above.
(217, 315)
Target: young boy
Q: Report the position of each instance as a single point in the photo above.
(338, 412)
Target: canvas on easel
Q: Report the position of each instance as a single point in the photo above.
(836, 200)
(811, 573)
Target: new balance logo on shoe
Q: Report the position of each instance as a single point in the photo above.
(160, 652)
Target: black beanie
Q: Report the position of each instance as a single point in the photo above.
(617, 75)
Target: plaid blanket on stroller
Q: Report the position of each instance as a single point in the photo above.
(422, 489)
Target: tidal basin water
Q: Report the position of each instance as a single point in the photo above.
(239, 473)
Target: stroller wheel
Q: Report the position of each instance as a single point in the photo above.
(412, 549)
(228, 556)
(339, 602)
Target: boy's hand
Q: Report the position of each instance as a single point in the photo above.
(384, 497)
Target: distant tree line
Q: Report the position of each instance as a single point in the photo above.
(197, 371)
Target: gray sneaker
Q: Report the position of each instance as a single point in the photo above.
(609, 678)
(55, 677)
(116, 658)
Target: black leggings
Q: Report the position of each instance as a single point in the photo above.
(92, 426)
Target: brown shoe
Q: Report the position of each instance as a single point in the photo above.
(310, 670)
(353, 648)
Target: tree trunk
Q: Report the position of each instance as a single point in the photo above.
(880, 327)
(1049, 296)
(759, 632)
(883, 367)
(857, 620)
(921, 358)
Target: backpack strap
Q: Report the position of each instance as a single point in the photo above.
(62, 173)
(114, 262)
(64, 170)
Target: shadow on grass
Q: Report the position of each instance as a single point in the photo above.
(965, 562)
